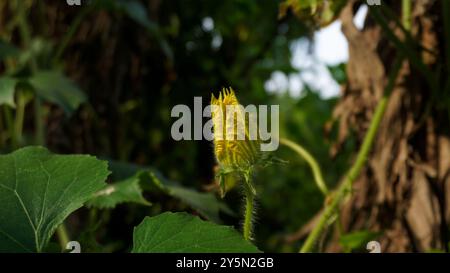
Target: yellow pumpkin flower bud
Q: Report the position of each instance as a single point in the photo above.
(236, 149)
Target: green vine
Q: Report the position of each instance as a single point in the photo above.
(318, 178)
(345, 187)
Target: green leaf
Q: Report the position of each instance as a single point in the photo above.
(53, 86)
(357, 239)
(38, 190)
(183, 233)
(7, 89)
(205, 203)
(128, 190)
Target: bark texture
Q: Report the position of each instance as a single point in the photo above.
(404, 189)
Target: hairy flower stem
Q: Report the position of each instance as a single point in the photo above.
(249, 207)
(346, 185)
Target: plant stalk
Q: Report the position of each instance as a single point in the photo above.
(63, 236)
(9, 124)
(406, 14)
(38, 121)
(18, 123)
(26, 38)
(71, 32)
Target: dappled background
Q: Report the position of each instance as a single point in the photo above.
(127, 63)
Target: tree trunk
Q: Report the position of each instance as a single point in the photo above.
(404, 189)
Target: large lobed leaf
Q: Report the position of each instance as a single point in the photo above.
(38, 190)
(183, 233)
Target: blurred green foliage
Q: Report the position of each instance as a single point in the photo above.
(135, 60)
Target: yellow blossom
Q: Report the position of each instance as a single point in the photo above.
(234, 149)
(229, 118)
